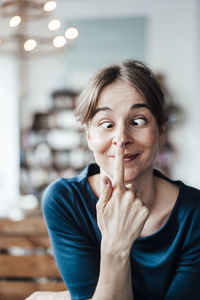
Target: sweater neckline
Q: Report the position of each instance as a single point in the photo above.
(164, 231)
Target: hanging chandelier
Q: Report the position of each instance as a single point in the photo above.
(30, 28)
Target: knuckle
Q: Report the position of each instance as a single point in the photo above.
(129, 195)
(138, 203)
(120, 187)
(100, 206)
(130, 187)
(117, 181)
(145, 210)
(117, 191)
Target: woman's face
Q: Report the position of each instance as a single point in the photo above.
(122, 115)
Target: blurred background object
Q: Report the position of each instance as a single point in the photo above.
(66, 41)
(26, 260)
(22, 36)
(54, 146)
(48, 51)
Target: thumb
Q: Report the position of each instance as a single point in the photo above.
(106, 190)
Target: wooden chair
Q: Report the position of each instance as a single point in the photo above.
(29, 267)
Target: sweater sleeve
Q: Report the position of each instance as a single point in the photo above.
(76, 254)
(186, 281)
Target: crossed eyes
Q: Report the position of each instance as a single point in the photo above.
(136, 122)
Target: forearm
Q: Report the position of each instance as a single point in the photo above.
(64, 295)
(115, 276)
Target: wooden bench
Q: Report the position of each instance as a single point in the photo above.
(26, 262)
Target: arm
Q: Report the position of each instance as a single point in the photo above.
(184, 286)
(76, 253)
(185, 283)
(115, 276)
(121, 217)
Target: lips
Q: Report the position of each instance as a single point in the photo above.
(128, 157)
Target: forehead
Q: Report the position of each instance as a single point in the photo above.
(118, 93)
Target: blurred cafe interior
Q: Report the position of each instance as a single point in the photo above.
(48, 51)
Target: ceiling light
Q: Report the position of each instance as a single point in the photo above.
(54, 25)
(59, 41)
(15, 21)
(71, 33)
(50, 6)
(29, 45)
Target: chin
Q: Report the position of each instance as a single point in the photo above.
(130, 176)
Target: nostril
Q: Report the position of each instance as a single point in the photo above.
(122, 143)
(119, 144)
(122, 138)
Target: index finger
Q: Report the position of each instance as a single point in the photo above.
(119, 165)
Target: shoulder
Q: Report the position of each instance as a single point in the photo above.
(69, 205)
(190, 211)
(188, 205)
(190, 221)
(190, 197)
(60, 197)
(58, 189)
(63, 188)
(65, 194)
(59, 204)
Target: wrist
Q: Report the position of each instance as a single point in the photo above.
(114, 250)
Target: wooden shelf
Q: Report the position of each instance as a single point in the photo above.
(53, 146)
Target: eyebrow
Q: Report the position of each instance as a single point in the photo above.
(134, 106)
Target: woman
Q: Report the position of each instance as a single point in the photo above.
(120, 229)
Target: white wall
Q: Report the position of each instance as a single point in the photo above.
(9, 134)
(173, 49)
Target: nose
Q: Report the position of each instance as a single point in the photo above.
(122, 136)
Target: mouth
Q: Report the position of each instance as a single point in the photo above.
(128, 157)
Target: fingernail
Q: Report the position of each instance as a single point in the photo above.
(120, 144)
(105, 180)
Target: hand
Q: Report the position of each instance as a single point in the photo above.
(121, 214)
(64, 295)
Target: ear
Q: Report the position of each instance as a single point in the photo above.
(87, 134)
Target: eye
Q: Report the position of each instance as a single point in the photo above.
(139, 122)
(106, 124)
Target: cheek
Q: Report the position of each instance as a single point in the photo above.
(154, 138)
(99, 142)
(150, 139)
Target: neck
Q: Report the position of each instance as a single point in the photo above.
(147, 186)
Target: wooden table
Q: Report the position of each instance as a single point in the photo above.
(26, 262)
